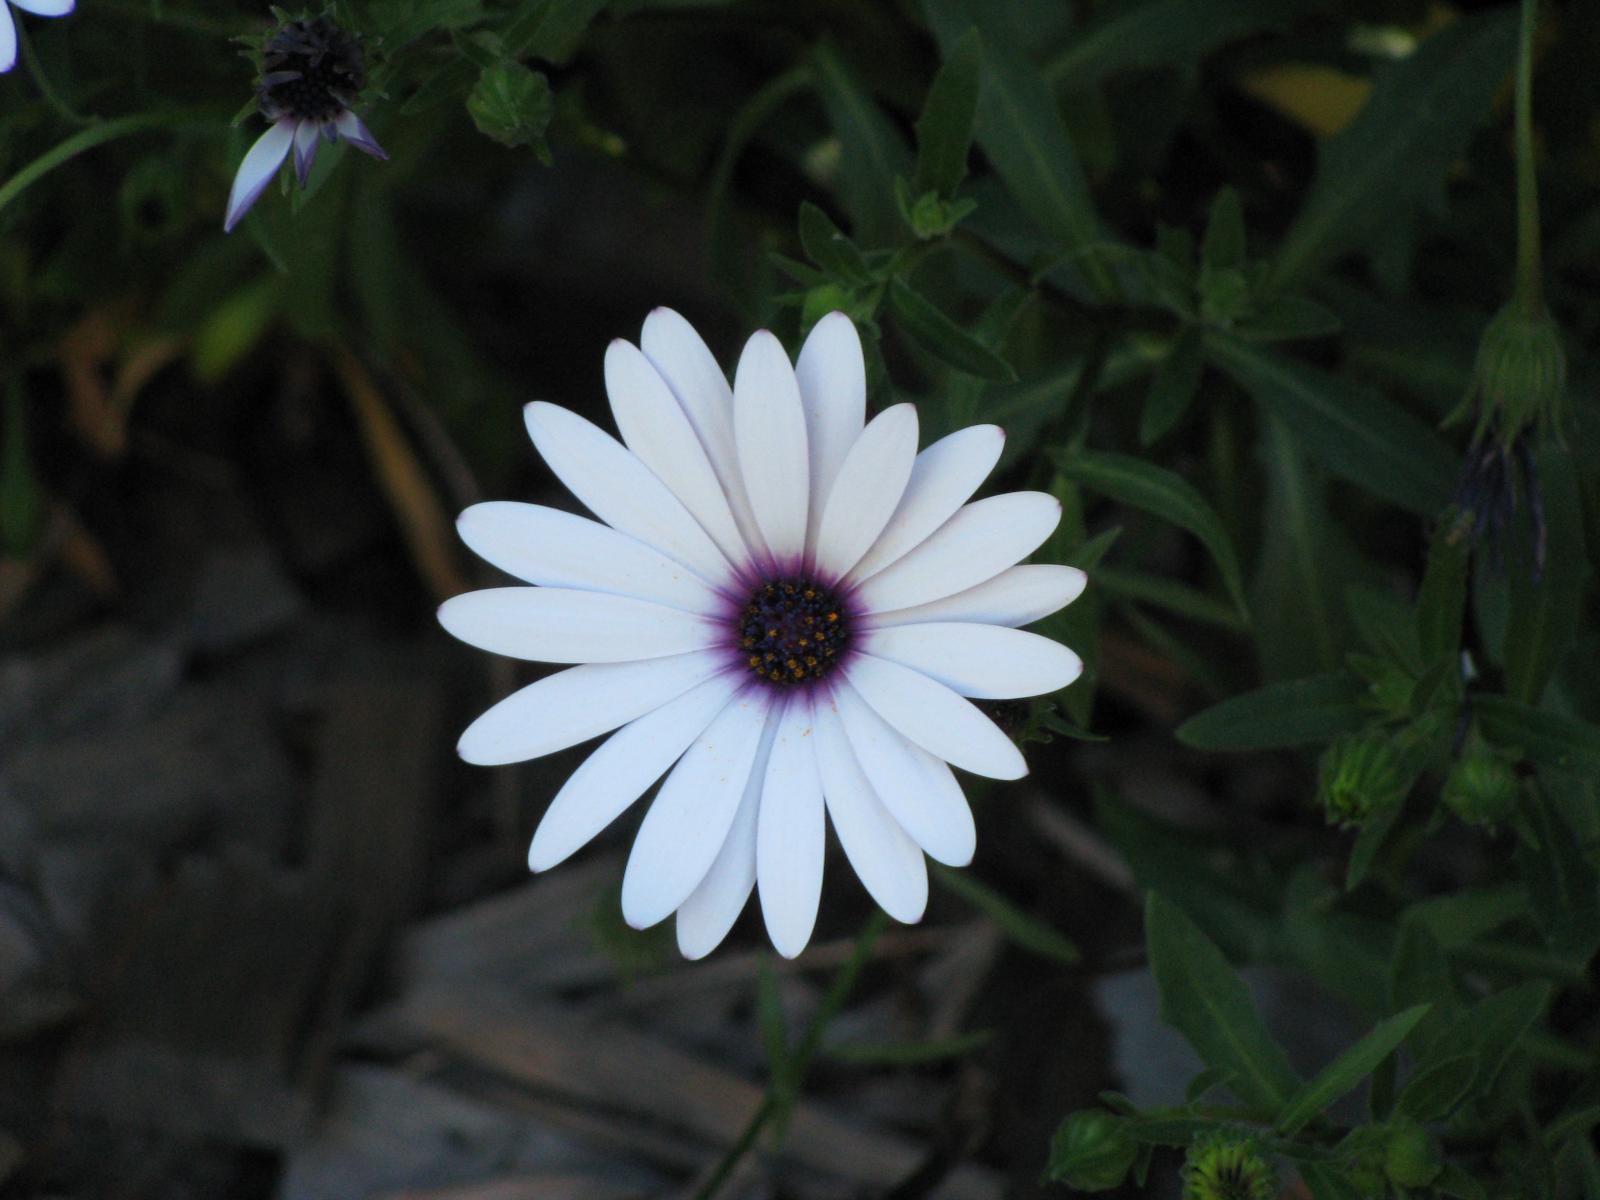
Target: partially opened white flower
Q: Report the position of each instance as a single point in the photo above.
(8, 30)
(789, 604)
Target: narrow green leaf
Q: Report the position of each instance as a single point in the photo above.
(1434, 1091)
(1544, 614)
(1352, 430)
(1223, 245)
(1393, 158)
(551, 29)
(1492, 1027)
(1171, 595)
(942, 337)
(1161, 493)
(1349, 1069)
(1288, 319)
(830, 249)
(874, 152)
(1562, 885)
(1549, 739)
(1442, 599)
(1205, 1000)
(1303, 712)
(1025, 930)
(944, 130)
(1368, 842)
(1174, 386)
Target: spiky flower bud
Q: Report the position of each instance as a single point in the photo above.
(311, 70)
(1091, 1151)
(1228, 1166)
(1520, 377)
(1359, 776)
(1482, 786)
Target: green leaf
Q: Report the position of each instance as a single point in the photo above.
(513, 105)
(1437, 1089)
(234, 328)
(1442, 599)
(1025, 930)
(1303, 712)
(942, 337)
(830, 249)
(944, 130)
(874, 152)
(1205, 1000)
(1368, 842)
(1223, 246)
(1563, 888)
(1393, 158)
(1287, 319)
(1544, 615)
(911, 1054)
(1162, 493)
(1173, 387)
(1170, 594)
(1020, 129)
(551, 29)
(1349, 1069)
(1455, 1180)
(1492, 1028)
(1548, 738)
(1352, 430)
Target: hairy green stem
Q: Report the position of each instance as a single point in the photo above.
(1530, 293)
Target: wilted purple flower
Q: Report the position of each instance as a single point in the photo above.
(310, 74)
(8, 31)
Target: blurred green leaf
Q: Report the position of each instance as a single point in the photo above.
(1563, 886)
(943, 338)
(944, 130)
(1374, 833)
(1394, 156)
(1026, 930)
(1545, 614)
(234, 328)
(1442, 599)
(1173, 387)
(513, 105)
(1205, 1000)
(1435, 1090)
(1549, 739)
(1171, 595)
(1493, 1026)
(1163, 494)
(1304, 712)
(551, 29)
(1349, 1069)
(1287, 319)
(1353, 431)
(830, 249)
(1223, 246)
(874, 152)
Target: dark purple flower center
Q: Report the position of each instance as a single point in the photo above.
(311, 70)
(793, 630)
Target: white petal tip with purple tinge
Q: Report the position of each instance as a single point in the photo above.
(256, 171)
(353, 131)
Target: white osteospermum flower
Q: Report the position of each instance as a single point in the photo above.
(8, 29)
(787, 602)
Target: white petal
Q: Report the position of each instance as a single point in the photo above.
(833, 387)
(916, 787)
(8, 40)
(943, 477)
(689, 821)
(358, 135)
(577, 704)
(618, 773)
(656, 429)
(711, 909)
(45, 8)
(790, 833)
(986, 661)
(307, 136)
(702, 390)
(976, 544)
(559, 549)
(619, 489)
(260, 164)
(887, 861)
(867, 489)
(935, 718)
(1016, 596)
(770, 431)
(561, 625)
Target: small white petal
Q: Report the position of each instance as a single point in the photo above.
(942, 478)
(261, 163)
(770, 431)
(358, 135)
(577, 704)
(989, 662)
(8, 40)
(790, 833)
(617, 774)
(867, 489)
(833, 387)
(1017, 596)
(935, 718)
(702, 391)
(306, 139)
(976, 544)
(560, 549)
(916, 787)
(45, 8)
(887, 861)
(689, 821)
(562, 625)
(613, 484)
(711, 909)
(657, 430)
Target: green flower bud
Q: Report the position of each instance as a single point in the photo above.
(1228, 1166)
(1520, 377)
(1482, 787)
(1091, 1151)
(1359, 776)
(1411, 1156)
(1364, 1150)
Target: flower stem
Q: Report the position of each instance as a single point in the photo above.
(1529, 293)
